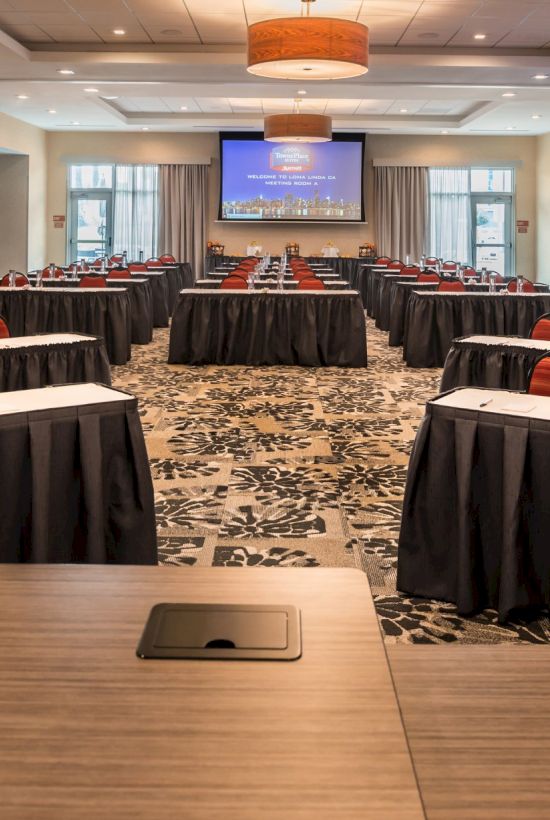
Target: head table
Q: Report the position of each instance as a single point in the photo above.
(101, 312)
(433, 320)
(476, 515)
(79, 484)
(52, 358)
(311, 328)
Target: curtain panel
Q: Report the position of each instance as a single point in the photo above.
(401, 207)
(450, 225)
(135, 206)
(183, 213)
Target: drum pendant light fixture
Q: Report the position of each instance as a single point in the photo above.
(297, 127)
(308, 48)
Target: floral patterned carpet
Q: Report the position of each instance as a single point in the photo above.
(301, 467)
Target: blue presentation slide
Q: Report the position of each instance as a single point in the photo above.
(266, 180)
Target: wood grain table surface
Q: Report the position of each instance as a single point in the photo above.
(88, 730)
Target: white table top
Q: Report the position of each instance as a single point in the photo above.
(77, 289)
(44, 339)
(65, 395)
(292, 283)
(268, 291)
(483, 295)
(505, 341)
(497, 401)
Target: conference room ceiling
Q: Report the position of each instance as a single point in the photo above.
(180, 65)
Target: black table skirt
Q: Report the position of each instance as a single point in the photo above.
(64, 363)
(476, 516)
(470, 364)
(141, 304)
(289, 284)
(44, 310)
(159, 296)
(268, 329)
(433, 320)
(79, 487)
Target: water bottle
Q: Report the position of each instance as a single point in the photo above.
(438, 267)
(83, 265)
(520, 283)
(408, 259)
(250, 281)
(102, 268)
(492, 283)
(74, 270)
(460, 273)
(11, 278)
(483, 275)
(124, 259)
(423, 262)
(52, 270)
(39, 275)
(141, 256)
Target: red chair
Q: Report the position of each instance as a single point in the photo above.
(116, 259)
(541, 328)
(58, 273)
(449, 265)
(234, 283)
(119, 273)
(4, 329)
(306, 273)
(153, 262)
(528, 286)
(383, 261)
(242, 274)
(538, 382)
(410, 270)
(396, 264)
(311, 283)
(497, 277)
(137, 266)
(431, 260)
(20, 281)
(167, 259)
(428, 277)
(93, 281)
(469, 271)
(451, 285)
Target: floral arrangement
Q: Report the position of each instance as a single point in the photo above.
(214, 248)
(367, 249)
(292, 249)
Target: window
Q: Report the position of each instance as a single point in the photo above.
(470, 216)
(126, 200)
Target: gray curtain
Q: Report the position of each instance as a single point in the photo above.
(183, 213)
(401, 208)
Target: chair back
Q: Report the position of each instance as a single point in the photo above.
(449, 265)
(428, 277)
(234, 283)
(311, 283)
(538, 381)
(410, 270)
(154, 262)
(116, 259)
(119, 273)
(167, 259)
(469, 271)
(497, 277)
(58, 273)
(20, 281)
(431, 260)
(93, 281)
(4, 329)
(541, 328)
(137, 266)
(383, 260)
(395, 264)
(242, 274)
(303, 273)
(451, 285)
(528, 286)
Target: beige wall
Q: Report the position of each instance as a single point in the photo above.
(64, 148)
(14, 178)
(543, 207)
(20, 138)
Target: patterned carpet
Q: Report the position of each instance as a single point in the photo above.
(295, 467)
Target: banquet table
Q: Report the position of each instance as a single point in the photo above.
(271, 284)
(319, 274)
(502, 362)
(433, 320)
(476, 515)
(98, 311)
(79, 484)
(52, 358)
(310, 328)
(141, 303)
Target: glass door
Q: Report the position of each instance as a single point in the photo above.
(91, 225)
(492, 225)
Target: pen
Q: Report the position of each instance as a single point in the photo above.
(484, 403)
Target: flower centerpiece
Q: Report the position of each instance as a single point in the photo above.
(292, 249)
(214, 248)
(367, 250)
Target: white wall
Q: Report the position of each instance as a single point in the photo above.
(14, 204)
(64, 148)
(543, 207)
(20, 138)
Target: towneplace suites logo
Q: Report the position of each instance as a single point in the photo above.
(291, 158)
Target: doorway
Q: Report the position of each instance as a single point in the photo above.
(91, 225)
(492, 233)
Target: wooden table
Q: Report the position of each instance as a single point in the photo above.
(88, 730)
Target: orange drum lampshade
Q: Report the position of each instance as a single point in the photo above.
(298, 128)
(308, 48)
